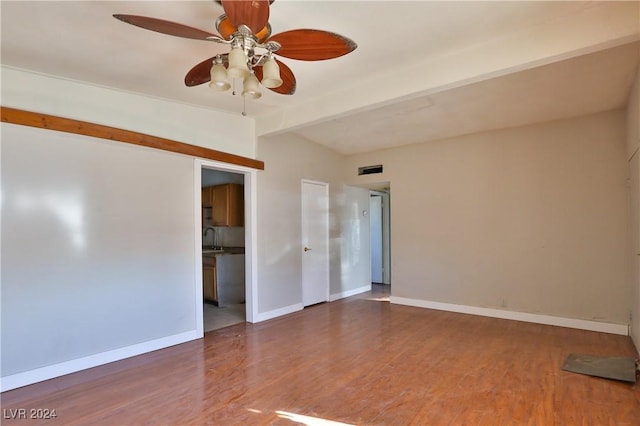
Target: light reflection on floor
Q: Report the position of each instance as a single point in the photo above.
(309, 420)
(305, 420)
(379, 292)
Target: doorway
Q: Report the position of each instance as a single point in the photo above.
(223, 244)
(380, 233)
(315, 242)
(225, 248)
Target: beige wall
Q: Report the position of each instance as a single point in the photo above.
(289, 159)
(633, 155)
(531, 219)
(191, 124)
(127, 240)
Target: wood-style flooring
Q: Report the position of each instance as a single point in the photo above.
(355, 361)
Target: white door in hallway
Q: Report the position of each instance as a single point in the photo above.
(315, 242)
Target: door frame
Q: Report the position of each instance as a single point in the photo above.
(376, 235)
(250, 227)
(327, 274)
(386, 233)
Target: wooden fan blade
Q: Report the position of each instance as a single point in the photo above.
(252, 13)
(288, 86)
(165, 27)
(199, 74)
(312, 45)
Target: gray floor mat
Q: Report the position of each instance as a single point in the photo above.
(617, 368)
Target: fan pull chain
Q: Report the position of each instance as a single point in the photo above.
(244, 99)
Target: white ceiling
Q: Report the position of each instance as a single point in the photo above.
(575, 59)
(583, 85)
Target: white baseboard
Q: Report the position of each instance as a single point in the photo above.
(604, 327)
(263, 316)
(56, 370)
(348, 293)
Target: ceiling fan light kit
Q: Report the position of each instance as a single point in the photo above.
(245, 28)
(238, 63)
(271, 74)
(251, 87)
(219, 79)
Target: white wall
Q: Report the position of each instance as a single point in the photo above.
(289, 159)
(97, 251)
(531, 219)
(131, 290)
(353, 254)
(153, 116)
(633, 157)
(98, 237)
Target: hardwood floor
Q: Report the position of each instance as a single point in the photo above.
(355, 361)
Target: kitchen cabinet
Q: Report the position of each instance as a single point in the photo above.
(223, 277)
(207, 201)
(210, 279)
(226, 203)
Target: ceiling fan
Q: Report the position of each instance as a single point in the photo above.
(245, 27)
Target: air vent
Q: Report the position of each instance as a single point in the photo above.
(370, 170)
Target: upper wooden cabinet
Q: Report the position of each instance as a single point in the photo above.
(226, 202)
(206, 197)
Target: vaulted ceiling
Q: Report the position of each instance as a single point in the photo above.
(422, 70)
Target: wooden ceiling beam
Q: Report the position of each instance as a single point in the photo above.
(51, 122)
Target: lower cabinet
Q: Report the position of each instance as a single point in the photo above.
(210, 279)
(223, 279)
(231, 279)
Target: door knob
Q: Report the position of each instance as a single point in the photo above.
(307, 249)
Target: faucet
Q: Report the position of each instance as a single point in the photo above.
(204, 234)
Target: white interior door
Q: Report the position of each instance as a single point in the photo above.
(315, 242)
